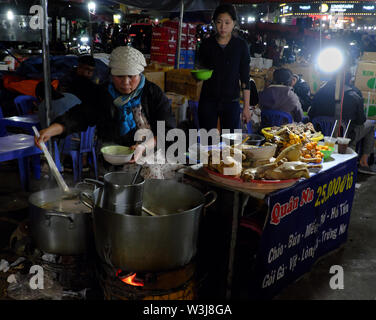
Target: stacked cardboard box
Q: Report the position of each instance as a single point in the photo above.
(368, 56)
(181, 81)
(188, 43)
(163, 45)
(369, 102)
(157, 77)
(365, 81)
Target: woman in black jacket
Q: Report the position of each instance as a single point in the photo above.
(228, 56)
(127, 103)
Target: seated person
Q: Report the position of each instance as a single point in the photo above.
(79, 80)
(280, 95)
(61, 102)
(323, 104)
(302, 90)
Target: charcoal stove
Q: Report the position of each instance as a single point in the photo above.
(177, 284)
(72, 272)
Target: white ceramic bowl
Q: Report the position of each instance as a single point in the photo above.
(259, 153)
(117, 155)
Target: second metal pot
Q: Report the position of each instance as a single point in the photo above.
(66, 232)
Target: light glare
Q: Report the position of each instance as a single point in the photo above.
(330, 60)
(10, 15)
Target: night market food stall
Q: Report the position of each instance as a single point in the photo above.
(308, 204)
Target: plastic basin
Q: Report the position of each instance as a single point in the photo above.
(202, 74)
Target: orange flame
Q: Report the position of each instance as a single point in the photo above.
(131, 281)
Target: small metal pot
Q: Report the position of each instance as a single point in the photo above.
(120, 195)
(57, 232)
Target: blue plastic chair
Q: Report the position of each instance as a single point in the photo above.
(86, 146)
(325, 124)
(270, 118)
(24, 104)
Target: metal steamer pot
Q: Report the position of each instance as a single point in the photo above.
(60, 231)
(151, 243)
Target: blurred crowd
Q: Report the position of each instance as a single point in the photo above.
(302, 49)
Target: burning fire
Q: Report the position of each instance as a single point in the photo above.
(131, 280)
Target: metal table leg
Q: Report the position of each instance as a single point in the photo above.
(234, 233)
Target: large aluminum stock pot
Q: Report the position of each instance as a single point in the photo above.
(147, 243)
(60, 225)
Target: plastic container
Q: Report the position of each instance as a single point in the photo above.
(342, 145)
(327, 153)
(202, 74)
(330, 141)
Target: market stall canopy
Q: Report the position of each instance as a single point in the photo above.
(172, 5)
(263, 1)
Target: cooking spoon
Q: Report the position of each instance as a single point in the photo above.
(136, 175)
(59, 179)
(149, 212)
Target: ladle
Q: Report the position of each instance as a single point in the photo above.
(133, 182)
(59, 179)
(136, 175)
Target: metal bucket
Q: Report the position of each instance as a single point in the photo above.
(119, 195)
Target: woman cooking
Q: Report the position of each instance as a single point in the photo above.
(127, 103)
(228, 56)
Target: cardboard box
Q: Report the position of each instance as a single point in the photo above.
(157, 77)
(365, 77)
(164, 33)
(309, 74)
(179, 105)
(181, 81)
(191, 29)
(160, 46)
(175, 25)
(368, 56)
(369, 102)
(155, 66)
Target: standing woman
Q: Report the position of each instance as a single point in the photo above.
(228, 56)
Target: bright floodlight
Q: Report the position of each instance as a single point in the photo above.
(91, 5)
(330, 60)
(10, 15)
